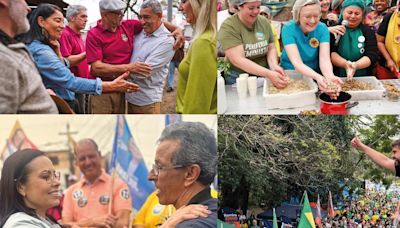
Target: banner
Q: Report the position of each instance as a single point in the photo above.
(128, 162)
(17, 140)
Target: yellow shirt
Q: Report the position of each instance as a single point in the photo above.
(152, 213)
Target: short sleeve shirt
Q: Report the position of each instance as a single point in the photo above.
(152, 213)
(308, 45)
(112, 47)
(254, 40)
(83, 200)
(71, 43)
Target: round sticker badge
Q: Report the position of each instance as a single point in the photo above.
(314, 43)
(124, 193)
(104, 199)
(361, 39)
(157, 209)
(76, 195)
(82, 201)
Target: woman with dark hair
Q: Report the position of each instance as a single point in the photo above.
(356, 52)
(29, 186)
(47, 23)
(374, 18)
(388, 36)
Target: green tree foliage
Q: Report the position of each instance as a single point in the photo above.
(267, 159)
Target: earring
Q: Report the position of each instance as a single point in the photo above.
(45, 33)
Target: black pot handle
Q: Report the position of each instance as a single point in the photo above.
(352, 105)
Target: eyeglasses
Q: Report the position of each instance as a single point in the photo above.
(50, 176)
(47, 175)
(156, 168)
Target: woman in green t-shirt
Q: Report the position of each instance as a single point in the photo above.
(248, 43)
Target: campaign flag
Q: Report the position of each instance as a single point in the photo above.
(128, 162)
(17, 140)
(330, 210)
(318, 218)
(172, 118)
(306, 217)
(275, 220)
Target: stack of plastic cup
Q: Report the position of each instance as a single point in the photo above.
(241, 86)
(252, 86)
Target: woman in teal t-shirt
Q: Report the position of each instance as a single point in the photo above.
(306, 46)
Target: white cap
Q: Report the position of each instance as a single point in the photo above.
(112, 5)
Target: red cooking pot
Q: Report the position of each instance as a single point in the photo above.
(340, 106)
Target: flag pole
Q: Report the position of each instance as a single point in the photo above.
(110, 206)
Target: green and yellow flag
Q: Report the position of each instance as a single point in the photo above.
(275, 221)
(306, 217)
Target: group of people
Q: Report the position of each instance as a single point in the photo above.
(319, 42)
(123, 65)
(372, 209)
(185, 166)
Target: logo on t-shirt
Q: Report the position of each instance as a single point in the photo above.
(260, 36)
(124, 37)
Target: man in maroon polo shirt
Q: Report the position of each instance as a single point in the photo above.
(109, 47)
(73, 48)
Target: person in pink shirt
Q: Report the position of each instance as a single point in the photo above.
(73, 48)
(87, 202)
(109, 47)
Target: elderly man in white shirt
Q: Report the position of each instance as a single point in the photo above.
(153, 46)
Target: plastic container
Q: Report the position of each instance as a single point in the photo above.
(294, 100)
(222, 106)
(376, 93)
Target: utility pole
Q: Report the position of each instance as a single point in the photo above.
(70, 153)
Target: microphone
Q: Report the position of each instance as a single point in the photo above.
(345, 23)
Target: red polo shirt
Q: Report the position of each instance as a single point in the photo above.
(112, 47)
(71, 43)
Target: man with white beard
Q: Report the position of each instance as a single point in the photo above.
(21, 87)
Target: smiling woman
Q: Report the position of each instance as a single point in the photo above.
(29, 186)
(248, 42)
(306, 45)
(47, 23)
